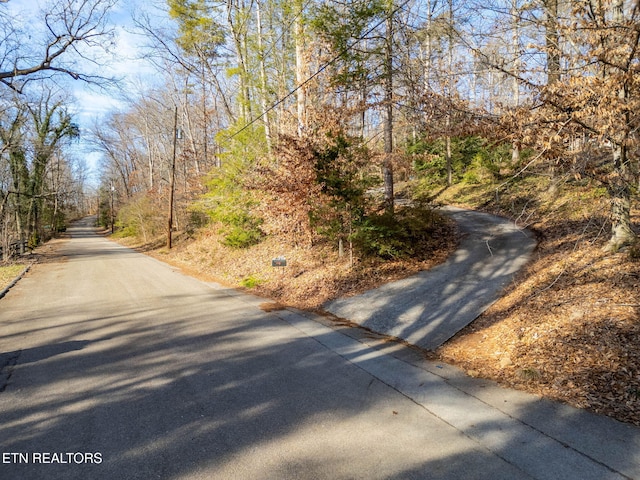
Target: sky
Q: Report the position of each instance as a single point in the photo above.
(92, 103)
(125, 63)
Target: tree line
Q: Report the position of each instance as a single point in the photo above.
(296, 110)
(302, 118)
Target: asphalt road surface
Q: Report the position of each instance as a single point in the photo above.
(116, 366)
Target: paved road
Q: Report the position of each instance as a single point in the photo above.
(429, 308)
(116, 366)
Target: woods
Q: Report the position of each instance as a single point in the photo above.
(406, 86)
(283, 118)
(322, 100)
(41, 183)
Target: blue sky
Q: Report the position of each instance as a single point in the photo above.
(125, 63)
(92, 103)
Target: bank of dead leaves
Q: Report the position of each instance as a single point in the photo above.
(313, 274)
(568, 328)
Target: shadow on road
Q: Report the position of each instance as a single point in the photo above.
(37, 354)
(236, 397)
(201, 383)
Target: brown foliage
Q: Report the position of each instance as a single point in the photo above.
(289, 189)
(290, 185)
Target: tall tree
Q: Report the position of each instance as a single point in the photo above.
(361, 39)
(264, 89)
(33, 137)
(52, 124)
(552, 41)
(387, 164)
(596, 99)
(621, 75)
(14, 200)
(301, 66)
(200, 37)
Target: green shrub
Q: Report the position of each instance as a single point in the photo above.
(380, 235)
(242, 236)
(408, 232)
(125, 232)
(230, 204)
(251, 281)
(473, 159)
(196, 220)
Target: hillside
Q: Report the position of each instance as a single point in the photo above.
(313, 274)
(567, 328)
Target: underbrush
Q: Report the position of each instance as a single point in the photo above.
(414, 231)
(313, 273)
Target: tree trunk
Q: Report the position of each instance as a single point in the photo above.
(447, 153)
(515, 83)
(450, 82)
(263, 81)
(20, 229)
(172, 177)
(238, 34)
(205, 123)
(620, 182)
(300, 68)
(552, 40)
(620, 194)
(387, 165)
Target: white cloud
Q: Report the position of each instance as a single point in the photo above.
(92, 105)
(123, 62)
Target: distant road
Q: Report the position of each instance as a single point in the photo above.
(116, 366)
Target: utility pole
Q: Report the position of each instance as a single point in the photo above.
(172, 177)
(112, 190)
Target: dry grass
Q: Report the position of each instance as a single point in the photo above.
(9, 272)
(312, 276)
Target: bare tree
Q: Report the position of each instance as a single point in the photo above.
(72, 30)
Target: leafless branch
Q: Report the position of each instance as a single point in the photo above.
(70, 27)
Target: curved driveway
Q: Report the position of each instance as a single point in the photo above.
(429, 308)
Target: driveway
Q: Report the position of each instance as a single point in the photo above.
(429, 308)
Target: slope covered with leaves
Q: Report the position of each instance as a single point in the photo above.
(568, 327)
(313, 274)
